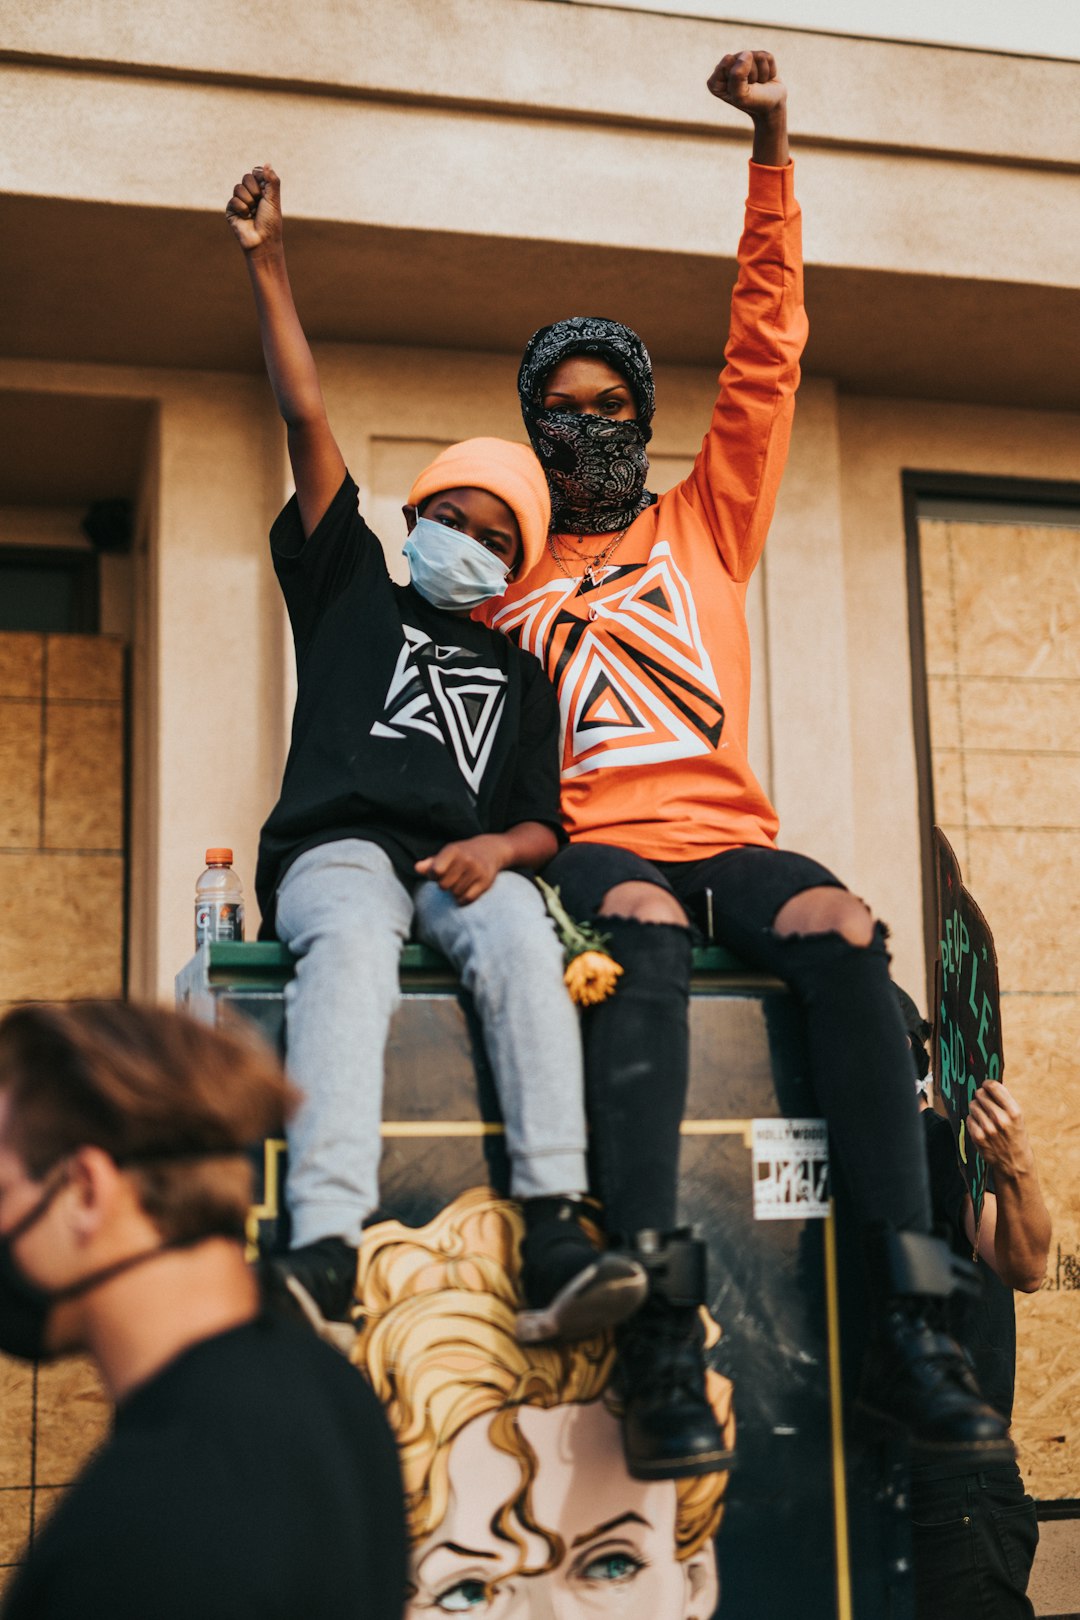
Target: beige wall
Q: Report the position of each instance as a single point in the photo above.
(207, 687)
(472, 139)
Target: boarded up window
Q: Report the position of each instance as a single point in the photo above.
(61, 817)
(1001, 607)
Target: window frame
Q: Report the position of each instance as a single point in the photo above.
(917, 486)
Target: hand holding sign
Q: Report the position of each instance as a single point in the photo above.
(995, 1125)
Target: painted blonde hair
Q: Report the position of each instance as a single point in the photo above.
(437, 1344)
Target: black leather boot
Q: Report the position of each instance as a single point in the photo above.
(915, 1376)
(572, 1289)
(669, 1429)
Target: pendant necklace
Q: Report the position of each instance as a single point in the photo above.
(593, 563)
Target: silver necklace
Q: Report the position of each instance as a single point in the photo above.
(594, 561)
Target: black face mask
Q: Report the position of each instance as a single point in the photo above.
(25, 1307)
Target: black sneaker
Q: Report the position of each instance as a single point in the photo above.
(315, 1284)
(670, 1430)
(572, 1289)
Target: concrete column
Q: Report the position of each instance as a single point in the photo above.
(214, 744)
(806, 636)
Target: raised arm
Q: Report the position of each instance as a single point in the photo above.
(737, 472)
(1014, 1236)
(254, 215)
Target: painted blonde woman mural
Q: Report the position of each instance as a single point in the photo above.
(520, 1504)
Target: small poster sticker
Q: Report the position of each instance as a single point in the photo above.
(791, 1169)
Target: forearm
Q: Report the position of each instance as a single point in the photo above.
(737, 472)
(468, 868)
(528, 846)
(1022, 1234)
(290, 364)
(771, 138)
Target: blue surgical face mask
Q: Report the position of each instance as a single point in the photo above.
(451, 570)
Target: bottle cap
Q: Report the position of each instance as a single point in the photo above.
(219, 857)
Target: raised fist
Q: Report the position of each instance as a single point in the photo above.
(749, 81)
(254, 209)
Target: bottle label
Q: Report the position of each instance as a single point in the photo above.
(218, 920)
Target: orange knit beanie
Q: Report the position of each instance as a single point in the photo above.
(510, 471)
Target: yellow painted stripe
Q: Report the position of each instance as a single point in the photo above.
(836, 1423)
(720, 1127)
(479, 1127)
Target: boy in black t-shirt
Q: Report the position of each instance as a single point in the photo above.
(421, 783)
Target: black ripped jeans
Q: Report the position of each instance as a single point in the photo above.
(637, 1050)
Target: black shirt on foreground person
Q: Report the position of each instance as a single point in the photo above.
(250, 1473)
(254, 1476)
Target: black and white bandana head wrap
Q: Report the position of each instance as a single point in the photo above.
(595, 468)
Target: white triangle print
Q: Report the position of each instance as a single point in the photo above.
(533, 615)
(667, 737)
(675, 636)
(471, 739)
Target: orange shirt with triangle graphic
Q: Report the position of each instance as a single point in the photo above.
(652, 663)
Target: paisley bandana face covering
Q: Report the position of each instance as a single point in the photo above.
(595, 468)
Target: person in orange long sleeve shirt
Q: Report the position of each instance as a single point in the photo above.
(637, 613)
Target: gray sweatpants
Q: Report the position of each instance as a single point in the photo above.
(345, 914)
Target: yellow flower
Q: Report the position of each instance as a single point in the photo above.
(590, 977)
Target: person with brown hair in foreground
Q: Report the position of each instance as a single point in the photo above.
(250, 1471)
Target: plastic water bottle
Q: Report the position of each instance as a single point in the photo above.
(219, 900)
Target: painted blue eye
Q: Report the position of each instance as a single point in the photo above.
(465, 1597)
(612, 1567)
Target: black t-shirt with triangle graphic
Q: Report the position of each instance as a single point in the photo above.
(413, 727)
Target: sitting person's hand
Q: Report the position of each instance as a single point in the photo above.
(468, 868)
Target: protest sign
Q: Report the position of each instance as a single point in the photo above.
(967, 1010)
